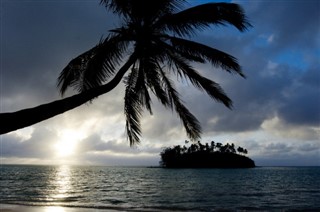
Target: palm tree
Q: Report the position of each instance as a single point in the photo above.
(219, 147)
(240, 149)
(232, 148)
(245, 151)
(153, 42)
(212, 146)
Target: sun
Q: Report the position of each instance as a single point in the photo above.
(67, 143)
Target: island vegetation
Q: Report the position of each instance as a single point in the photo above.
(198, 155)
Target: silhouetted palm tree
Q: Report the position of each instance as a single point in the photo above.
(232, 148)
(212, 146)
(219, 146)
(152, 40)
(240, 150)
(245, 151)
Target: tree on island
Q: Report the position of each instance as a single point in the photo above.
(149, 46)
(242, 150)
(198, 155)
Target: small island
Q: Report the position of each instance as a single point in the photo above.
(197, 155)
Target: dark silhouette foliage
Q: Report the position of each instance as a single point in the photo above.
(152, 44)
(197, 155)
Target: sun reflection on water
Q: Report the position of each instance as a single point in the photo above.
(54, 209)
(62, 183)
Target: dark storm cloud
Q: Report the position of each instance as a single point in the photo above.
(302, 107)
(255, 100)
(288, 87)
(38, 40)
(295, 23)
(283, 94)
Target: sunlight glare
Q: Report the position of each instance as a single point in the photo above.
(66, 146)
(54, 209)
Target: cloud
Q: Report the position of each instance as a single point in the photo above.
(94, 143)
(273, 88)
(38, 145)
(37, 44)
(280, 128)
(115, 152)
(275, 151)
(291, 26)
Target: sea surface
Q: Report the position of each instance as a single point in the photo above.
(158, 189)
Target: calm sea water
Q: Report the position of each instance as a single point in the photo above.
(156, 189)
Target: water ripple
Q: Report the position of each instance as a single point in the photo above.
(268, 188)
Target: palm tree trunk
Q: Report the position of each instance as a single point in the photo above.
(26, 117)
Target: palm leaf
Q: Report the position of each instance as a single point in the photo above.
(142, 90)
(102, 65)
(132, 110)
(121, 7)
(142, 9)
(71, 74)
(94, 67)
(179, 65)
(154, 82)
(202, 16)
(190, 122)
(216, 57)
(210, 87)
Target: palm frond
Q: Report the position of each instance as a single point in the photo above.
(210, 87)
(121, 7)
(94, 67)
(102, 65)
(164, 46)
(190, 122)
(216, 57)
(142, 90)
(202, 16)
(132, 110)
(142, 9)
(154, 82)
(72, 73)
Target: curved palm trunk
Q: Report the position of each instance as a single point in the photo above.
(24, 118)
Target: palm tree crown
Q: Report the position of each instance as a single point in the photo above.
(153, 39)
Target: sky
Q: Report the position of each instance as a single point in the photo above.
(276, 114)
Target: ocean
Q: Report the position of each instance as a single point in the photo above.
(158, 189)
